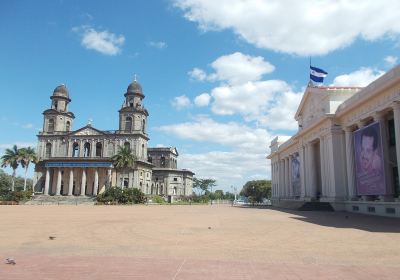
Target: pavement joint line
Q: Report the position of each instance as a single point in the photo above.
(179, 269)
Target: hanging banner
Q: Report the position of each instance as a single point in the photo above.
(370, 173)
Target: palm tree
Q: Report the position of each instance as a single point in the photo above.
(123, 158)
(26, 156)
(11, 158)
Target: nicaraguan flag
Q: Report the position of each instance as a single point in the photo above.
(317, 75)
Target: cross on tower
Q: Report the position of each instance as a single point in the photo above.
(135, 78)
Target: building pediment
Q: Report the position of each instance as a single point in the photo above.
(87, 130)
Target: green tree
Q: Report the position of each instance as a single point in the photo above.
(257, 190)
(123, 159)
(219, 194)
(26, 156)
(204, 185)
(11, 158)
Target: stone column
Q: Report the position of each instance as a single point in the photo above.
(108, 179)
(385, 148)
(96, 182)
(311, 184)
(396, 115)
(47, 182)
(322, 166)
(83, 182)
(286, 177)
(58, 188)
(71, 182)
(351, 165)
(290, 193)
(302, 172)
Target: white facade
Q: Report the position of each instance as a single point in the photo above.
(318, 163)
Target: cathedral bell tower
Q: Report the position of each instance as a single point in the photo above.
(133, 116)
(57, 118)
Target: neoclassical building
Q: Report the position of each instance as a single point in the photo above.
(346, 150)
(78, 162)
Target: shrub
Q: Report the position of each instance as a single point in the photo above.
(116, 195)
(158, 199)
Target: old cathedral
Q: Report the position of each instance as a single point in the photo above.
(79, 162)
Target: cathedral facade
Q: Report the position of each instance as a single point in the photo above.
(79, 162)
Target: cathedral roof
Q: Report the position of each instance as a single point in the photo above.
(61, 90)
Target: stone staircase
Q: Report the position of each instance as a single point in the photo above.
(61, 200)
(316, 206)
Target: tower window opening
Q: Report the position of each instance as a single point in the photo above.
(162, 161)
(75, 150)
(127, 145)
(48, 150)
(99, 148)
(51, 125)
(68, 126)
(55, 105)
(86, 150)
(128, 124)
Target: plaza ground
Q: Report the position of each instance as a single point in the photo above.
(195, 242)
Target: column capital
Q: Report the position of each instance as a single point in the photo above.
(348, 129)
(378, 116)
(395, 105)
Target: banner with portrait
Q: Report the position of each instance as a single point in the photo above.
(370, 170)
(296, 183)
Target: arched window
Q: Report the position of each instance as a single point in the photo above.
(86, 150)
(128, 124)
(162, 161)
(150, 159)
(55, 105)
(68, 126)
(48, 150)
(99, 148)
(51, 125)
(127, 145)
(144, 126)
(143, 151)
(75, 150)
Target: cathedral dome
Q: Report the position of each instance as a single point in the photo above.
(61, 90)
(135, 87)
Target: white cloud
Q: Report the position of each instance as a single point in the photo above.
(157, 45)
(251, 99)
(362, 77)
(197, 74)
(235, 68)
(391, 60)
(227, 168)
(27, 125)
(181, 102)
(246, 159)
(309, 27)
(280, 114)
(235, 135)
(238, 68)
(202, 100)
(104, 41)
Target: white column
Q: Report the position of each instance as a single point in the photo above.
(350, 164)
(385, 147)
(311, 184)
(302, 172)
(96, 182)
(290, 191)
(71, 181)
(59, 175)
(396, 115)
(108, 184)
(286, 177)
(47, 182)
(83, 182)
(322, 166)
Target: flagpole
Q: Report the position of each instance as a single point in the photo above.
(309, 81)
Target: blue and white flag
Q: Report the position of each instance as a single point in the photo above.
(317, 75)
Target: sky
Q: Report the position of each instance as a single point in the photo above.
(221, 78)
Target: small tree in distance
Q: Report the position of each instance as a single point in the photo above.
(257, 190)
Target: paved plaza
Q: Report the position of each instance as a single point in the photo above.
(195, 242)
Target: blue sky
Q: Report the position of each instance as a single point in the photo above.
(221, 78)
